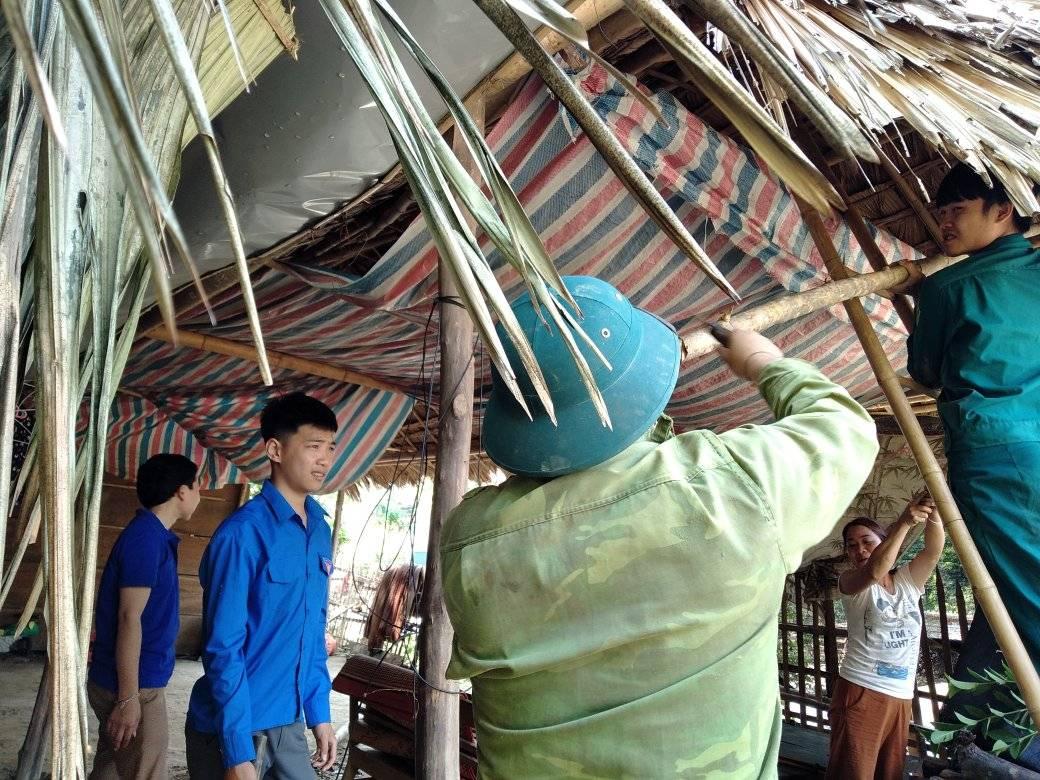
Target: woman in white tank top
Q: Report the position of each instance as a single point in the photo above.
(870, 705)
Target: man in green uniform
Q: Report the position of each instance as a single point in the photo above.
(615, 601)
(976, 338)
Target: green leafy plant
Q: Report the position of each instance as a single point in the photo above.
(393, 518)
(1004, 719)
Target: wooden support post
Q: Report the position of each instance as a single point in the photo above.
(830, 645)
(437, 724)
(986, 595)
(337, 523)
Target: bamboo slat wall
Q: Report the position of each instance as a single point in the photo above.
(812, 636)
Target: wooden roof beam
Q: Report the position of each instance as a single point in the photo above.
(221, 346)
(917, 170)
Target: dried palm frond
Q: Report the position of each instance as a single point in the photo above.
(78, 298)
(784, 79)
(760, 131)
(184, 66)
(936, 65)
(442, 187)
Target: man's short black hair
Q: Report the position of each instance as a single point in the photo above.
(284, 416)
(965, 183)
(160, 476)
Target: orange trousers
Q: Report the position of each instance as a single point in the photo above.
(868, 734)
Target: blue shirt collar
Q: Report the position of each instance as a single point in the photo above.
(281, 508)
(149, 517)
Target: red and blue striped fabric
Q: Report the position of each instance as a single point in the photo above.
(383, 324)
(219, 429)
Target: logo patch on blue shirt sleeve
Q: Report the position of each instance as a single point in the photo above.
(326, 565)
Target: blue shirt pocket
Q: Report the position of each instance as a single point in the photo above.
(280, 571)
(326, 565)
(282, 588)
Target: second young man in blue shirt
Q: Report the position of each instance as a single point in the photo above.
(265, 577)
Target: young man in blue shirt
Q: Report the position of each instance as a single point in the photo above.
(136, 624)
(265, 578)
(976, 338)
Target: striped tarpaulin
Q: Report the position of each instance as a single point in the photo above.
(383, 324)
(219, 429)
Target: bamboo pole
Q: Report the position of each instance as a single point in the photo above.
(785, 308)
(861, 230)
(221, 346)
(437, 723)
(864, 235)
(986, 594)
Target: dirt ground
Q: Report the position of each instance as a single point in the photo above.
(20, 677)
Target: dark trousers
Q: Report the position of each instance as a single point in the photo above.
(286, 756)
(997, 489)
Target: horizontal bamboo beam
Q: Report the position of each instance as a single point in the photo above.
(700, 342)
(221, 346)
(790, 307)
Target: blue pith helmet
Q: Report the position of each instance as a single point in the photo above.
(644, 353)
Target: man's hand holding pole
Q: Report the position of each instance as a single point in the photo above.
(745, 352)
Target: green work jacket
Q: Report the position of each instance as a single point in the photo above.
(621, 622)
(977, 337)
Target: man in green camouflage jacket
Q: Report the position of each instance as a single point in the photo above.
(615, 602)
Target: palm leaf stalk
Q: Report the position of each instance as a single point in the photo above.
(13, 240)
(510, 25)
(26, 48)
(58, 278)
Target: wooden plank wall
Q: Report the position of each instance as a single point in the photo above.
(118, 505)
